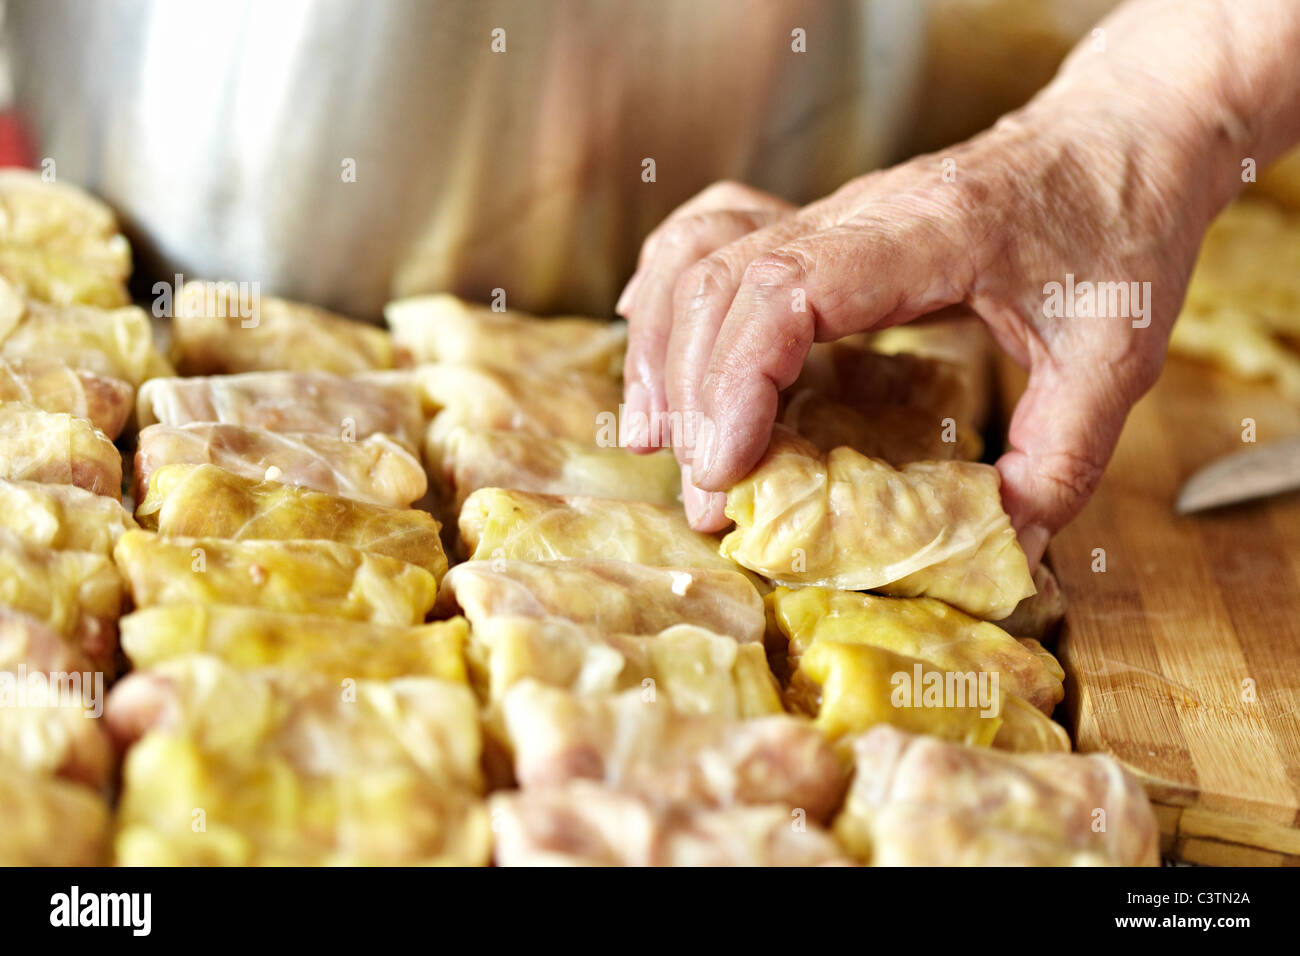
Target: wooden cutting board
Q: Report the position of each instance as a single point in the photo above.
(1183, 655)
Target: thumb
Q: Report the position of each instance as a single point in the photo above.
(1062, 435)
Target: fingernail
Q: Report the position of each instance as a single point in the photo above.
(706, 440)
(1033, 541)
(660, 426)
(636, 416)
(693, 500)
(625, 299)
(705, 510)
(715, 512)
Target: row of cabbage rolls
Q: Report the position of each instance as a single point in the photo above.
(72, 354)
(306, 681)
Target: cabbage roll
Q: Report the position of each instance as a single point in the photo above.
(316, 403)
(696, 671)
(76, 593)
(917, 627)
(113, 343)
(62, 517)
(28, 642)
(553, 466)
(51, 386)
(249, 638)
(50, 822)
(612, 596)
(55, 448)
(1247, 265)
(204, 501)
(962, 340)
(864, 379)
(58, 735)
(59, 243)
(443, 328)
(851, 687)
(499, 523)
(847, 521)
(667, 755)
(376, 470)
(1240, 311)
(919, 801)
(290, 770)
(898, 434)
(1038, 615)
(575, 405)
(60, 217)
(59, 279)
(50, 699)
(215, 333)
(1236, 340)
(585, 824)
(305, 577)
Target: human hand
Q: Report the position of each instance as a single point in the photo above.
(1086, 182)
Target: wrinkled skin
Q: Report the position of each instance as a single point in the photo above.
(1111, 174)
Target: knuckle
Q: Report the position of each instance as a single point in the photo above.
(682, 232)
(1075, 476)
(780, 268)
(701, 283)
(726, 192)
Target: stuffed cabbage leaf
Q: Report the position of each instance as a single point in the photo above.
(443, 328)
(1038, 615)
(862, 378)
(215, 332)
(62, 517)
(50, 822)
(305, 577)
(585, 824)
(290, 769)
(60, 244)
(59, 279)
(250, 637)
(850, 687)
(917, 627)
(846, 521)
(1240, 311)
(957, 337)
(500, 523)
(919, 801)
(51, 386)
(659, 752)
(696, 671)
(612, 596)
(197, 501)
(897, 434)
(113, 343)
(503, 459)
(317, 403)
(573, 405)
(76, 593)
(377, 470)
(55, 448)
(50, 699)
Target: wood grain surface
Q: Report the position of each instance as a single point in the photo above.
(1183, 655)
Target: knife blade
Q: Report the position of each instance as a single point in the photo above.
(1242, 476)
